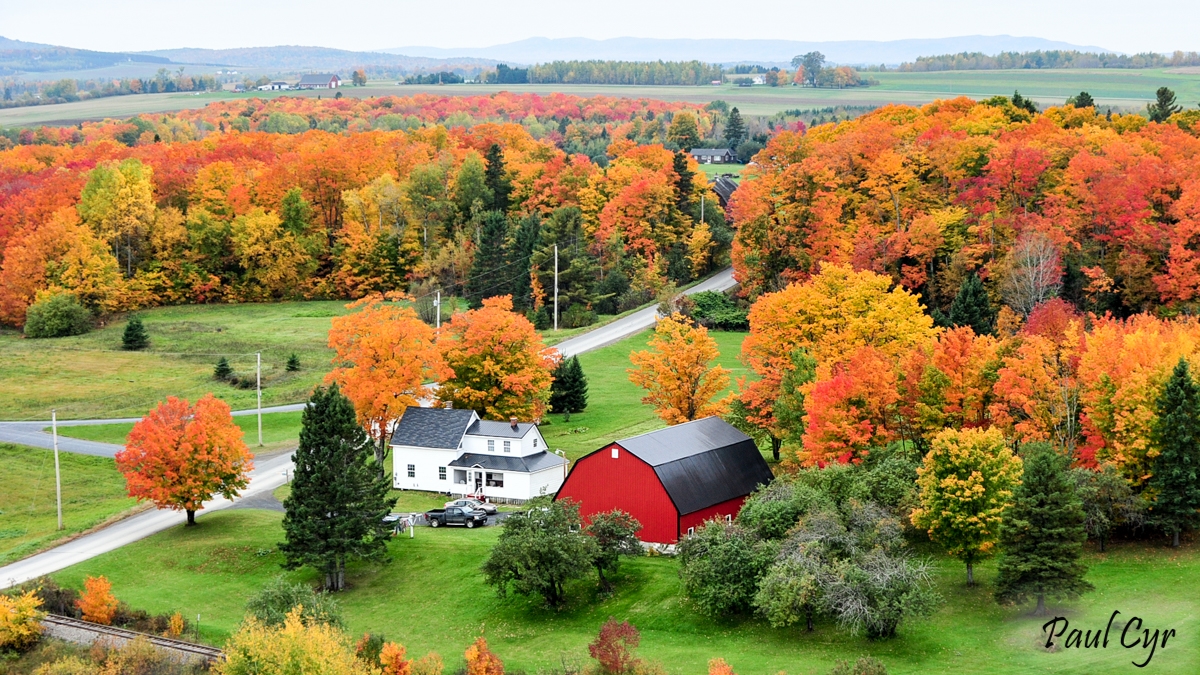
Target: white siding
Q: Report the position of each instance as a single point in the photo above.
(425, 462)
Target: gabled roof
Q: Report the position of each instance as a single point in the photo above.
(711, 152)
(317, 78)
(724, 187)
(499, 429)
(701, 463)
(432, 427)
(527, 464)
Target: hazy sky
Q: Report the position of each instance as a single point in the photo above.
(130, 25)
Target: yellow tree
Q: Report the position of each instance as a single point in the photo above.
(677, 372)
(118, 203)
(965, 483)
(295, 647)
(501, 368)
(384, 356)
(275, 262)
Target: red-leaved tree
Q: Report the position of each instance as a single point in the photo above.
(613, 647)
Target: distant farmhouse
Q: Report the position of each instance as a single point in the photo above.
(319, 81)
(714, 155)
(278, 85)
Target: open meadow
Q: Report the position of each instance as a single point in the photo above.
(1121, 88)
(431, 596)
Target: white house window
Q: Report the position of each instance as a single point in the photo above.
(412, 470)
(460, 476)
(535, 442)
(614, 453)
(491, 446)
(441, 473)
(691, 531)
(495, 480)
(508, 446)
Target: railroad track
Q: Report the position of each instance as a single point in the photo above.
(86, 632)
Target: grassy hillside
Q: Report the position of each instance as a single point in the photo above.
(431, 597)
(92, 489)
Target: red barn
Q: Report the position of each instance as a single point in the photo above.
(672, 479)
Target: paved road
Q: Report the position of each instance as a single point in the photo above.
(267, 475)
(639, 320)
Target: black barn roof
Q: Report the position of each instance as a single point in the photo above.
(701, 463)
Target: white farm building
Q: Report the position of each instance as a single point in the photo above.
(454, 452)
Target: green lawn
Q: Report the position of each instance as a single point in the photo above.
(431, 597)
(92, 490)
(279, 430)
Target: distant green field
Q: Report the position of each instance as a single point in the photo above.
(279, 429)
(92, 489)
(1116, 87)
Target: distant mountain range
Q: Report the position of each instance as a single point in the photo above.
(292, 57)
(17, 56)
(855, 52)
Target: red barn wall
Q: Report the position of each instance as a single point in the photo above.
(600, 483)
(697, 518)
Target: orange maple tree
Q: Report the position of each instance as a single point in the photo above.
(501, 368)
(384, 356)
(181, 455)
(97, 603)
(481, 660)
(392, 661)
(677, 372)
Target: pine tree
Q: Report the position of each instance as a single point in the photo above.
(490, 273)
(222, 371)
(569, 392)
(735, 128)
(338, 500)
(1041, 538)
(496, 179)
(1164, 105)
(526, 239)
(293, 363)
(1176, 480)
(971, 307)
(684, 183)
(1083, 100)
(135, 336)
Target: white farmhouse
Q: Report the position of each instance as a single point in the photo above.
(455, 452)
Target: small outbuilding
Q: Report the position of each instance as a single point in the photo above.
(672, 480)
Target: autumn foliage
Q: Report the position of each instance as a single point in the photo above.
(677, 372)
(501, 368)
(295, 647)
(20, 621)
(181, 455)
(481, 660)
(614, 647)
(97, 603)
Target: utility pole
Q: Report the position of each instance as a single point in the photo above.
(258, 387)
(437, 307)
(57, 471)
(556, 287)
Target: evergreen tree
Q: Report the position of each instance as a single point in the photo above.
(1164, 106)
(684, 182)
(490, 273)
(578, 269)
(1041, 538)
(526, 239)
(338, 501)
(971, 307)
(293, 363)
(569, 392)
(1176, 480)
(135, 336)
(1083, 100)
(1021, 103)
(222, 371)
(496, 180)
(735, 128)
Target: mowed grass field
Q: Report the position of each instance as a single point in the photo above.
(93, 491)
(431, 597)
(1116, 87)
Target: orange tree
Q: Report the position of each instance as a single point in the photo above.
(500, 366)
(677, 374)
(384, 356)
(181, 455)
(97, 603)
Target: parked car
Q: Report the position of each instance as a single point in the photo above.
(486, 507)
(456, 515)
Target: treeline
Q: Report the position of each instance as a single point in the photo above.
(18, 93)
(625, 72)
(1047, 59)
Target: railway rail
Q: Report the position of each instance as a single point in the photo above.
(86, 632)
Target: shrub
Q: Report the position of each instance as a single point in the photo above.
(774, 509)
(715, 310)
(20, 621)
(721, 565)
(271, 605)
(613, 647)
(577, 316)
(67, 665)
(57, 315)
(294, 647)
(864, 666)
(97, 604)
(481, 660)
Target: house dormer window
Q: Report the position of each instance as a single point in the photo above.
(491, 446)
(508, 446)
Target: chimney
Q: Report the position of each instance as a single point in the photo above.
(449, 405)
(512, 422)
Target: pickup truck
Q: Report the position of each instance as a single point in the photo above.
(456, 515)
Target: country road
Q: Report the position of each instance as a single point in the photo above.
(267, 475)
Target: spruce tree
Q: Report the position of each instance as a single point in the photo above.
(735, 129)
(338, 501)
(1083, 100)
(496, 180)
(526, 239)
(971, 307)
(1041, 538)
(490, 272)
(293, 363)
(684, 183)
(569, 392)
(135, 337)
(1175, 482)
(222, 371)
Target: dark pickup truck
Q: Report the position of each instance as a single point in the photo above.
(456, 515)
